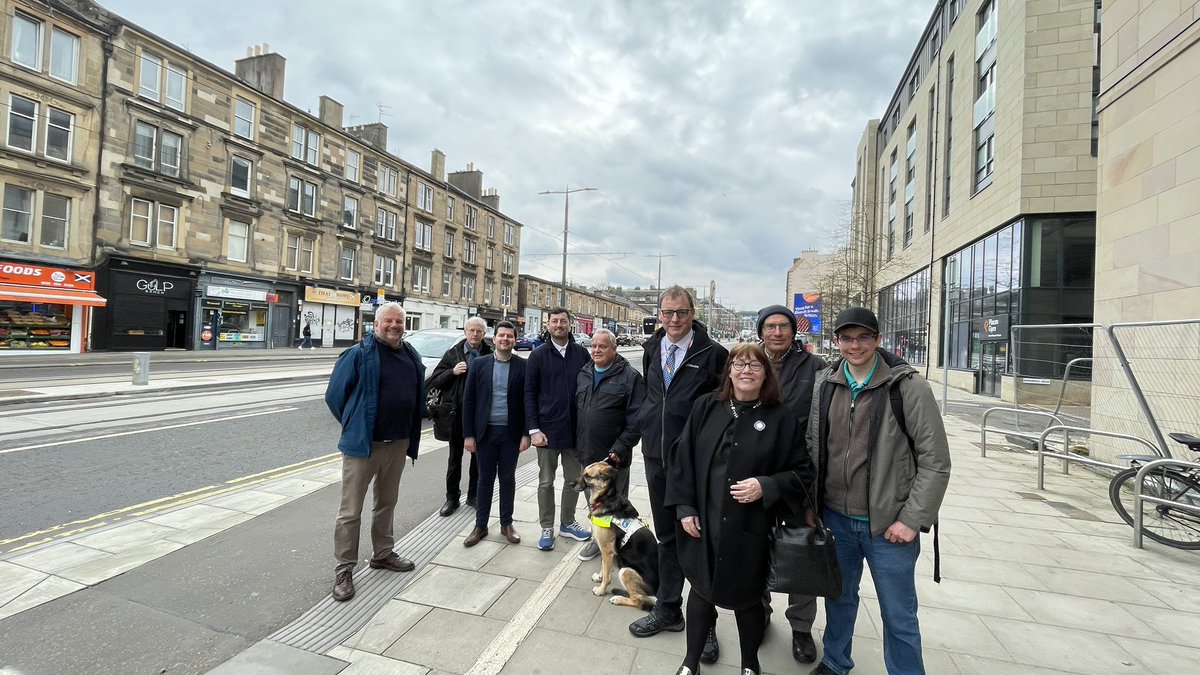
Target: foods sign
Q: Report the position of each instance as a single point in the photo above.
(24, 274)
(807, 308)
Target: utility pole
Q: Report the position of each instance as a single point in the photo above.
(566, 193)
(660, 256)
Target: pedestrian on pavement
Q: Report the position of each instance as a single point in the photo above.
(739, 465)
(883, 466)
(680, 363)
(493, 419)
(306, 335)
(550, 417)
(449, 376)
(608, 395)
(796, 370)
(377, 392)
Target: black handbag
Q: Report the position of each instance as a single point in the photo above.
(803, 560)
(442, 413)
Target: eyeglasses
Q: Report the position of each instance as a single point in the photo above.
(862, 340)
(781, 327)
(752, 366)
(675, 313)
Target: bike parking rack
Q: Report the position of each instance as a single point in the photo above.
(1138, 497)
(984, 428)
(1067, 457)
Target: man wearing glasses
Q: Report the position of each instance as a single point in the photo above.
(796, 371)
(882, 469)
(680, 363)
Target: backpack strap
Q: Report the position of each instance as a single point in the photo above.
(897, 400)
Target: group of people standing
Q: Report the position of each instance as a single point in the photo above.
(733, 442)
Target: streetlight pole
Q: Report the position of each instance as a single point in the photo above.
(566, 193)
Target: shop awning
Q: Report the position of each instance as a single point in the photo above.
(58, 296)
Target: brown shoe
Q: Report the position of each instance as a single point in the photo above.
(510, 534)
(394, 563)
(473, 538)
(343, 586)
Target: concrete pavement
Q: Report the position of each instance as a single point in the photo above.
(1033, 582)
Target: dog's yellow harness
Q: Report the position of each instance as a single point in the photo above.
(626, 525)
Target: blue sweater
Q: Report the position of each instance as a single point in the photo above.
(353, 393)
(550, 392)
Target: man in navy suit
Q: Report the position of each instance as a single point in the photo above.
(493, 421)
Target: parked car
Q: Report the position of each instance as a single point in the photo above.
(528, 341)
(583, 340)
(624, 340)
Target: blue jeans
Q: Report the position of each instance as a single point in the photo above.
(893, 568)
(496, 455)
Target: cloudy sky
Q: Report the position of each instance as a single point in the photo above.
(720, 131)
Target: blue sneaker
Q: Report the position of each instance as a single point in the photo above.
(546, 542)
(574, 531)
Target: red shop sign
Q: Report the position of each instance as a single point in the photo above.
(27, 274)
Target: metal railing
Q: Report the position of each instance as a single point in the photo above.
(1067, 457)
(984, 428)
(1139, 498)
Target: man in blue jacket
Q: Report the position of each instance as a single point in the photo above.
(377, 393)
(550, 416)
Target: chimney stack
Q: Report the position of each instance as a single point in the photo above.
(264, 71)
(492, 198)
(437, 165)
(331, 112)
(373, 134)
(469, 181)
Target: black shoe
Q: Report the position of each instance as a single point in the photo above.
(471, 502)
(823, 669)
(655, 623)
(712, 650)
(448, 508)
(804, 649)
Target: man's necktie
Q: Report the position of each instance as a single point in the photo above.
(669, 367)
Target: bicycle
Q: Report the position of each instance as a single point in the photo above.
(1166, 524)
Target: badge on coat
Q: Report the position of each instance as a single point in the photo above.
(759, 425)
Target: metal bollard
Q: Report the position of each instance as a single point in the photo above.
(141, 368)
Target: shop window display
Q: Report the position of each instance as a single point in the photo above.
(25, 325)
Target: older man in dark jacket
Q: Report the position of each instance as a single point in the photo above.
(608, 396)
(796, 371)
(450, 375)
(681, 363)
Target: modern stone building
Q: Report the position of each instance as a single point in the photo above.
(213, 213)
(1148, 213)
(975, 192)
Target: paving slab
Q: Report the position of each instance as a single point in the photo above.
(271, 658)
(125, 537)
(454, 589)
(473, 558)
(571, 612)
(1066, 649)
(513, 599)
(55, 558)
(446, 640)
(366, 663)
(47, 589)
(527, 562)
(382, 631)
(548, 651)
(95, 571)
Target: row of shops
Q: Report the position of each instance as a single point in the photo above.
(133, 305)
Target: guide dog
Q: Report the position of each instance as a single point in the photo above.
(625, 543)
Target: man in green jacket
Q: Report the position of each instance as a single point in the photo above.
(883, 467)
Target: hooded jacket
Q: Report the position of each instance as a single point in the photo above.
(863, 458)
(550, 391)
(353, 396)
(608, 412)
(797, 376)
(665, 413)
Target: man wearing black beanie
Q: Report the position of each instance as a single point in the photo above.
(796, 370)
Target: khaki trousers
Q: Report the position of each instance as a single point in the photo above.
(548, 459)
(384, 466)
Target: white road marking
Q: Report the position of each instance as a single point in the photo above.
(143, 431)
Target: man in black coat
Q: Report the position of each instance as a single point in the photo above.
(450, 376)
(608, 396)
(680, 364)
(796, 371)
(550, 418)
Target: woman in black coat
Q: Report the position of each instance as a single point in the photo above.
(740, 463)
